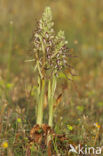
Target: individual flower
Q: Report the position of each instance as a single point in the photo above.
(70, 128)
(97, 125)
(4, 145)
(19, 120)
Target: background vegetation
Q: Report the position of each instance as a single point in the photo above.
(80, 111)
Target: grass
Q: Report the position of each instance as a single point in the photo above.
(79, 114)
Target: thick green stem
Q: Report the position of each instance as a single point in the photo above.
(51, 112)
(40, 103)
(51, 92)
(41, 88)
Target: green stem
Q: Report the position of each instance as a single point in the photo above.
(40, 103)
(51, 92)
(51, 112)
(10, 49)
(41, 87)
(40, 73)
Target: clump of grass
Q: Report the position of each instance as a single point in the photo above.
(51, 56)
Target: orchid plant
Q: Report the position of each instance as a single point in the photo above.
(51, 54)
